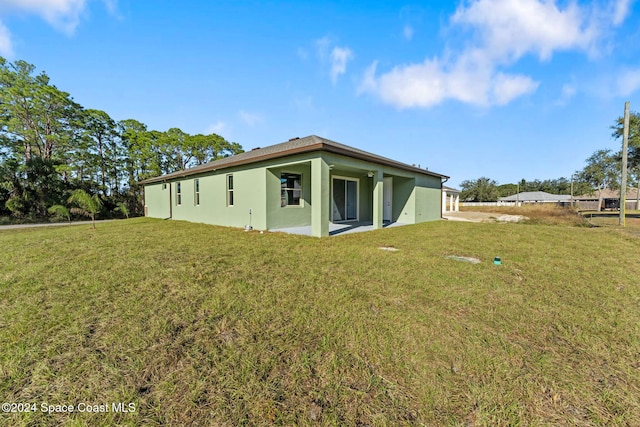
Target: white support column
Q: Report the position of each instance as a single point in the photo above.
(457, 204)
(444, 201)
(451, 203)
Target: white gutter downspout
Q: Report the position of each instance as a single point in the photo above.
(442, 207)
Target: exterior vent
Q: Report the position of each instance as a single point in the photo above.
(293, 139)
(254, 149)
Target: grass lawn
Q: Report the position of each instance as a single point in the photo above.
(203, 325)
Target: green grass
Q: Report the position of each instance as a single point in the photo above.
(203, 325)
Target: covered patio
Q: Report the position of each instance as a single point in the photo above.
(339, 195)
(338, 228)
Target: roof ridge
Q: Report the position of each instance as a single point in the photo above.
(292, 146)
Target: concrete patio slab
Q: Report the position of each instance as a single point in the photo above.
(337, 228)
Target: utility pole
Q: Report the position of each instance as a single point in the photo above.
(625, 148)
(571, 191)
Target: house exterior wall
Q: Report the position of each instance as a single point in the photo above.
(425, 209)
(288, 216)
(416, 197)
(404, 200)
(428, 198)
(213, 208)
(156, 200)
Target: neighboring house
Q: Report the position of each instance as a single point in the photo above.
(452, 196)
(308, 181)
(534, 197)
(610, 199)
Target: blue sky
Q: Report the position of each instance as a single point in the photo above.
(508, 89)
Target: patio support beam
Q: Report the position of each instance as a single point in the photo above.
(378, 189)
(444, 200)
(319, 197)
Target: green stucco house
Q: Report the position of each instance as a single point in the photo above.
(308, 181)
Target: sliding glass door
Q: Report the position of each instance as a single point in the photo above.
(344, 199)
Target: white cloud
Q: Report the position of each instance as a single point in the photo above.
(111, 5)
(510, 29)
(503, 31)
(620, 11)
(339, 58)
(6, 47)
(218, 128)
(250, 119)
(63, 15)
(432, 82)
(568, 92)
(418, 85)
(628, 82)
(302, 54)
(505, 88)
(303, 103)
(407, 32)
(322, 47)
(336, 56)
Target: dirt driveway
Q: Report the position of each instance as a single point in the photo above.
(482, 217)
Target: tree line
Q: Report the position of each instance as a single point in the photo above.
(603, 169)
(54, 152)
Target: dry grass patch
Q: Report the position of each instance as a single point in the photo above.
(202, 325)
(612, 218)
(548, 214)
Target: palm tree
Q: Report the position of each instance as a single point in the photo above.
(123, 209)
(86, 205)
(59, 211)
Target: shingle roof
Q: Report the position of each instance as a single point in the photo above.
(449, 189)
(536, 196)
(608, 193)
(293, 146)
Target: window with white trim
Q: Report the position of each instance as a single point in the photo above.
(290, 189)
(178, 194)
(196, 188)
(230, 190)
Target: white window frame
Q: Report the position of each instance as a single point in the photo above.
(230, 190)
(346, 178)
(178, 193)
(301, 204)
(196, 191)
